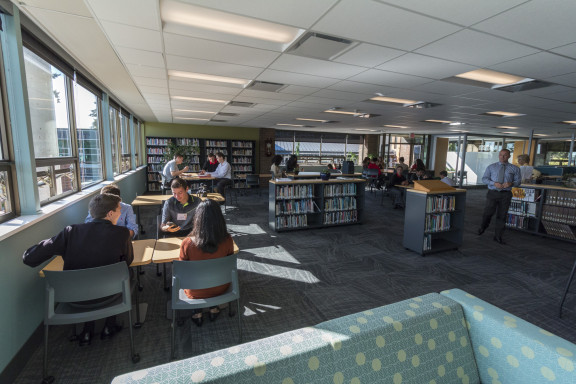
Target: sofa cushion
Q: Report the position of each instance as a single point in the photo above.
(511, 350)
(420, 340)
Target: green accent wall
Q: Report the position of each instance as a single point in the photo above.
(21, 289)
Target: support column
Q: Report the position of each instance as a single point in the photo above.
(21, 127)
(106, 135)
(132, 144)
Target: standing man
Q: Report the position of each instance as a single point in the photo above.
(178, 211)
(500, 178)
(211, 164)
(127, 217)
(95, 244)
(171, 169)
(223, 173)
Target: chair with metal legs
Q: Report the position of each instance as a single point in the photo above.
(65, 287)
(567, 288)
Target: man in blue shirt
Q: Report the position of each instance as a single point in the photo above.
(127, 217)
(500, 177)
(171, 170)
(223, 174)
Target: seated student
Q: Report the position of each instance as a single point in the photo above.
(525, 169)
(381, 177)
(127, 217)
(178, 211)
(95, 244)
(208, 240)
(171, 169)
(445, 179)
(223, 174)
(292, 163)
(402, 164)
(418, 164)
(420, 174)
(211, 164)
(397, 194)
(275, 167)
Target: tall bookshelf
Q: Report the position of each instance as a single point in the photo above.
(308, 204)
(242, 161)
(544, 210)
(434, 221)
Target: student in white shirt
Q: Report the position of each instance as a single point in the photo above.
(223, 173)
(446, 179)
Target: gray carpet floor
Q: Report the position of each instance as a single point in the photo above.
(295, 279)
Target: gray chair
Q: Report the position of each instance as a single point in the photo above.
(230, 191)
(65, 287)
(371, 176)
(202, 274)
(253, 182)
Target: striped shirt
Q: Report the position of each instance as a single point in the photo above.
(511, 175)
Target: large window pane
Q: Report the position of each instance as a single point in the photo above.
(48, 108)
(114, 140)
(125, 143)
(88, 133)
(5, 203)
(55, 180)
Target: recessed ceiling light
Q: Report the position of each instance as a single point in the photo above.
(199, 99)
(198, 17)
(540, 134)
(569, 122)
(341, 112)
(320, 121)
(202, 76)
(291, 125)
(504, 114)
(506, 127)
(394, 126)
(192, 111)
(491, 77)
(438, 121)
(508, 133)
(190, 118)
(364, 129)
(393, 100)
(459, 130)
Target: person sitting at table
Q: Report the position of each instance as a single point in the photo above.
(418, 164)
(223, 174)
(402, 164)
(275, 167)
(420, 174)
(398, 178)
(291, 163)
(127, 217)
(178, 211)
(365, 163)
(445, 179)
(171, 169)
(95, 244)
(211, 164)
(208, 240)
(525, 169)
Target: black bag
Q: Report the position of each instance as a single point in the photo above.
(348, 167)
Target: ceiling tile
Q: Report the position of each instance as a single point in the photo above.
(356, 87)
(539, 66)
(543, 24)
(138, 56)
(447, 88)
(333, 94)
(374, 76)
(133, 37)
(271, 95)
(146, 90)
(292, 63)
(70, 7)
(425, 66)
(476, 48)
(138, 13)
(381, 24)
(148, 81)
(566, 50)
(211, 67)
(144, 71)
(192, 86)
(283, 77)
(298, 90)
(567, 79)
(368, 55)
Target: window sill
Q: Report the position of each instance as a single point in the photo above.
(20, 223)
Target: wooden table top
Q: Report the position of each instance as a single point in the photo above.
(196, 176)
(143, 251)
(168, 250)
(150, 200)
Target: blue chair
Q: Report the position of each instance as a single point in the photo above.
(204, 274)
(65, 287)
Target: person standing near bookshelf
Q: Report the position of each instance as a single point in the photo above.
(500, 177)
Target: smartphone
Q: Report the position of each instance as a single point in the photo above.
(171, 224)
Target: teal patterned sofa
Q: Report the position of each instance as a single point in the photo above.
(452, 337)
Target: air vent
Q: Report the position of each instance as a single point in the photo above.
(218, 121)
(526, 86)
(242, 104)
(265, 86)
(320, 46)
(227, 114)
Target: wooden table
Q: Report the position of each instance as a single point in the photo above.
(316, 175)
(147, 201)
(191, 176)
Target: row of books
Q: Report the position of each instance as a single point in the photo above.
(241, 144)
(340, 203)
(525, 194)
(244, 168)
(155, 167)
(437, 222)
(517, 221)
(243, 159)
(242, 152)
(156, 159)
(216, 150)
(559, 230)
(290, 207)
(294, 191)
(561, 198)
(559, 214)
(440, 203)
(520, 207)
(216, 143)
(156, 141)
(299, 221)
(186, 141)
(154, 177)
(427, 243)
(348, 189)
(340, 217)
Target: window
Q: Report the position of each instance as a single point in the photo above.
(126, 162)
(317, 148)
(88, 136)
(114, 140)
(137, 144)
(6, 168)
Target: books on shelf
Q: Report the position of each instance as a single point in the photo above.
(294, 191)
(296, 221)
(340, 217)
(242, 144)
(559, 230)
(340, 204)
(524, 194)
(437, 222)
(157, 141)
(292, 207)
(347, 189)
(524, 208)
(562, 198)
(517, 221)
(440, 203)
(559, 214)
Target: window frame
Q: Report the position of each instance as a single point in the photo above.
(6, 159)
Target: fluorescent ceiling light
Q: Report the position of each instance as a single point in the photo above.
(365, 129)
(570, 122)
(393, 100)
(198, 17)
(320, 121)
(540, 134)
(491, 77)
(341, 112)
(199, 99)
(190, 118)
(291, 125)
(395, 126)
(438, 121)
(456, 123)
(192, 111)
(504, 114)
(506, 127)
(459, 130)
(201, 76)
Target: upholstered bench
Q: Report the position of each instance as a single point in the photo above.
(451, 337)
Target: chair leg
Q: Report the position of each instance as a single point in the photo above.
(173, 336)
(138, 323)
(46, 379)
(567, 288)
(158, 273)
(166, 287)
(139, 272)
(135, 356)
(239, 315)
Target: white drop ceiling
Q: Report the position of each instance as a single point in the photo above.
(402, 49)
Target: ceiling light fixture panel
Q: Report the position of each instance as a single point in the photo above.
(206, 77)
(503, 114)
(186, 98)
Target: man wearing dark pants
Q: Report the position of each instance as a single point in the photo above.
(500, 177)
(223, 174)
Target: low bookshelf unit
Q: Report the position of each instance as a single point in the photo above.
(307, 204)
